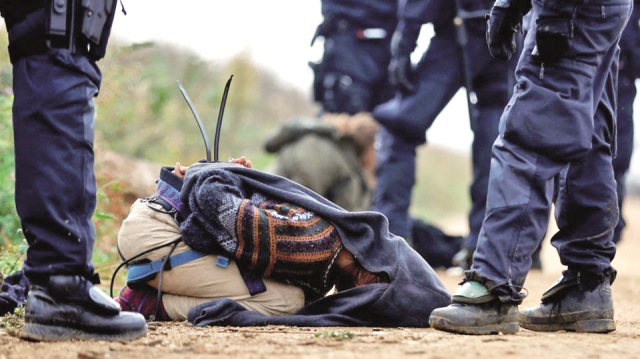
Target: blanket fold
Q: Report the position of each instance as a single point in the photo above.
(414, 289)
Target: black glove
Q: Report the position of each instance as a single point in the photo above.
(403, 42)
(503, 23)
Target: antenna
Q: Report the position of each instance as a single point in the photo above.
(195, 114)
(216, 143)
(220, 114)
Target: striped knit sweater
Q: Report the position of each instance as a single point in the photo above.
(272, 239)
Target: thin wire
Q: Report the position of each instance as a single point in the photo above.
(176, 241)
(159, 296)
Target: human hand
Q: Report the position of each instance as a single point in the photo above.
(403, 43)
(243, 161)
(503, 23)
(180, 170)
(401, 74)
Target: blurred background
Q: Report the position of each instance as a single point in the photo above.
(144, 123)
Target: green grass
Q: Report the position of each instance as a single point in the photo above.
(12, 243)
(335, 335)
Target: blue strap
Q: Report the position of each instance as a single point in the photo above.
(142, 270)
(147, 271)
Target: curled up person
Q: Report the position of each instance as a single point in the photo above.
(268, 256)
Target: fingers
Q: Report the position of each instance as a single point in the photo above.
(243, 161)
(180, 170)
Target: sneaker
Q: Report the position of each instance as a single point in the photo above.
(70, 307)
(476, 311)
(567, 306)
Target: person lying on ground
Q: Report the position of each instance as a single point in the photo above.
(283, 288)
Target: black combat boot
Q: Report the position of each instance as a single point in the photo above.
(70, 307)
(476, 311)
(574, 305)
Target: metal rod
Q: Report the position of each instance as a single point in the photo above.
(216, 143)
(202, 130)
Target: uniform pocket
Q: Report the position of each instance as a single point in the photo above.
(553, 116)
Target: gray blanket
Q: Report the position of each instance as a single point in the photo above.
(413, 292)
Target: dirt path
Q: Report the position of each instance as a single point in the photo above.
(181, 340)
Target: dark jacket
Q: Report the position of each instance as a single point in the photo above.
(414, 289)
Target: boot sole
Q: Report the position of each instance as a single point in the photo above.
(41, 332)
(447, 326)
(582, 326)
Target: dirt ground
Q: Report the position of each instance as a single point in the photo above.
(181, 340)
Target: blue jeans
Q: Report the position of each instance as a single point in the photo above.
(53, 120)
(555, 146)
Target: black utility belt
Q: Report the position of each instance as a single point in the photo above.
(340, 26)
(81, 26)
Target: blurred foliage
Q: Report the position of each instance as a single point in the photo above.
(12, 243)
(335, 335)
(442, 184)
(142, 113)
(9, 225)
(5, 67)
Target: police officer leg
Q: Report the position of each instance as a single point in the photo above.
(55, 198)
(55, 183)
(518, 205)
(395, 173)
(586, 214)
(587, 207)
(404, 121)
(532, 150)
(485, 131)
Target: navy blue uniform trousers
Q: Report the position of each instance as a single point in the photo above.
(629, 72)
(53, 120)
(404, 119)
(555, 145)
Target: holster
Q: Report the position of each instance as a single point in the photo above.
(318, 79)
(97, 19)
(82, 26)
